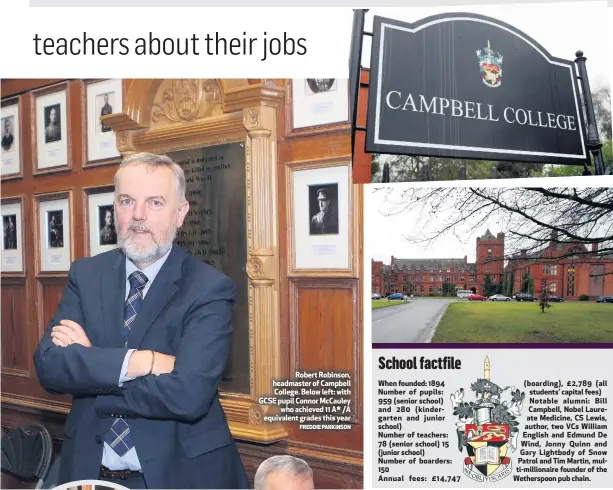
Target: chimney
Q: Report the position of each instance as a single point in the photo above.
(466, 259)
(594, 247)
(523, 254)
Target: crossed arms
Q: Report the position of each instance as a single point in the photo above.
(180, 387)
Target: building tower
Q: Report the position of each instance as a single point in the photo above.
(490, 259)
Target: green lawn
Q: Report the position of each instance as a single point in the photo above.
(384, 303)
(523, 322)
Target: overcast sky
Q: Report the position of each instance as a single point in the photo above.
(561, 28)
(385, 233)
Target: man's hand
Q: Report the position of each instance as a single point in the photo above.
(69, 332)
(163, 364)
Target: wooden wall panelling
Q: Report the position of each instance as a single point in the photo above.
(15, 86)
(14, 340)
(49, 291)
(325, 334)
(327, 303)
(42, 292)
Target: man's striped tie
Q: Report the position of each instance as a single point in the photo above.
(118, 436)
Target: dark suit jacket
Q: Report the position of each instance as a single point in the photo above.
(179, 428)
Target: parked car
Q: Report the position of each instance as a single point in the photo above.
(555, 299)
(525, 297)
(394, 296)
(375, 296)
(476, 297)
(604, 299)
(499, 297)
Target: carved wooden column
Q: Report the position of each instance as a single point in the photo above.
(263, 249)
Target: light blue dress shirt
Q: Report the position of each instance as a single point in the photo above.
(110, 458)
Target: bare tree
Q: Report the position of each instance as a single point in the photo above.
(531, 218)
(602, 108)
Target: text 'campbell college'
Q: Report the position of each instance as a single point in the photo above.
(476, 110)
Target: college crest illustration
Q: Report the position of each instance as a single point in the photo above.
(487, 427)
(490, 63)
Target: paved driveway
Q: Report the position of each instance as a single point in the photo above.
(413, 322)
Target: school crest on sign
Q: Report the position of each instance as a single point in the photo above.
(490, 64)
(487, 428)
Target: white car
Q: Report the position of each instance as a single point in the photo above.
(499, 297)
(375, 296)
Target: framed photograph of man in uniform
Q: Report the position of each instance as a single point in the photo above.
(103, 98)
(11, 143)
(316, 105)
(322, 219)
(100, 220)
(53, 123)
(53, 232)
(323, 206)
(51, 129)
(12, 235)
(55, 229)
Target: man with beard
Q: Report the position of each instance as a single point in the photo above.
(140, 339)
(284, 472)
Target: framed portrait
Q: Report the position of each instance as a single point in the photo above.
(317, 105)
(12, 235)
(51, 121)
(100, 221)
(11, 141)
(103, 98)
(323, 209)
(322, 219)
(54, 240)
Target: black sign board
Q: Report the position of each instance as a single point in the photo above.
(467, 86)
(215, 231)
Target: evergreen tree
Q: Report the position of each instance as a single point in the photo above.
(488, 286)
(527, 283)
(449, 289)
(544, 297)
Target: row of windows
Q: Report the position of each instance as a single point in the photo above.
(394, 278)
(431, 268)
(548, 270)
(421, 289)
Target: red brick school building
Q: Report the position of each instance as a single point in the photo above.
(567, 275)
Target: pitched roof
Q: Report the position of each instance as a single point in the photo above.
(426, 263)
(488, 235)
